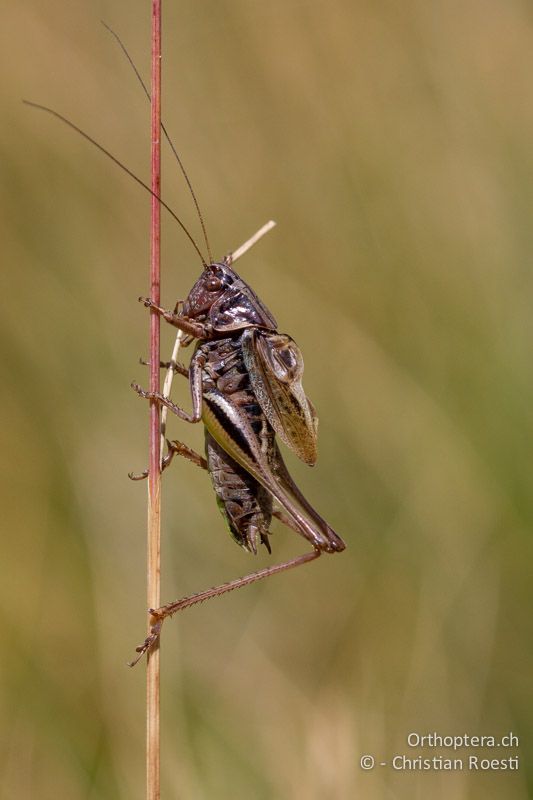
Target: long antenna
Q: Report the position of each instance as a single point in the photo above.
(122, 166)
(167, 136)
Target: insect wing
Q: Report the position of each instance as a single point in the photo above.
(229, 426)
(275, 366)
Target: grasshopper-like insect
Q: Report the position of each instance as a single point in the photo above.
(246, 387)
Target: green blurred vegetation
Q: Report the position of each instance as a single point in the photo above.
(393, 144)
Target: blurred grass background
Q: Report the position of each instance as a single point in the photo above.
(393, 144)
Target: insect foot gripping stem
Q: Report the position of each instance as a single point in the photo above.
(151, 639)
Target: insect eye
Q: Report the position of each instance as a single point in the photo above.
(213, 284)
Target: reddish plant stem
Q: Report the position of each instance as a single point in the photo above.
(154, 476)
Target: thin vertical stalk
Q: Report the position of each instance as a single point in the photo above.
(154, 476)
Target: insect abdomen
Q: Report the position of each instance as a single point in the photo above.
(244, 503)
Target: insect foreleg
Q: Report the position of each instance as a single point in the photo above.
(195, 329)
(160, 614)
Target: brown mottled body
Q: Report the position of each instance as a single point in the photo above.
(244, 503)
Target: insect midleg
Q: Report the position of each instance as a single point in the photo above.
(160, 614)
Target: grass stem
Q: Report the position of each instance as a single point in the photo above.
(153, 735)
